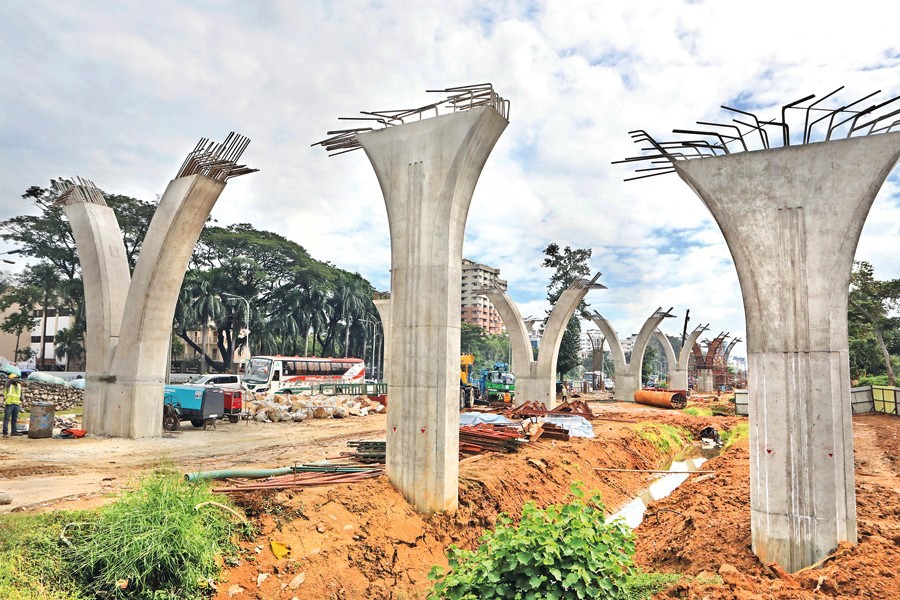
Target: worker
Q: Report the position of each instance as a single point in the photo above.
(12, 397)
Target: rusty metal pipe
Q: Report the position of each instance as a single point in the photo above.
(661, 398)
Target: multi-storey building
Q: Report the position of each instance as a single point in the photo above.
(476, 309)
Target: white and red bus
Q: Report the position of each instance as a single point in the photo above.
(268, 374)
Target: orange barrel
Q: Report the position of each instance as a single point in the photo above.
(661, 398)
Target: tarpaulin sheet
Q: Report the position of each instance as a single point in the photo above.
(475, 418)
(577, 426)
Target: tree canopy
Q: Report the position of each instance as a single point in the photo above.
(873, 323)
(246, 285)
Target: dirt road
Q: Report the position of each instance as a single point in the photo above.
(60, 473)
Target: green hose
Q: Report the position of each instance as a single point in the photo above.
(263, 473)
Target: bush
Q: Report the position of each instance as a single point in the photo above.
(562, 551)
(153, 542)
(873, 380)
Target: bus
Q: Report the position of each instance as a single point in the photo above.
(268, 374)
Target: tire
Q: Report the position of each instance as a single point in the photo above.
(171, 422)
(198, 422)
(470, 397)
(234, 418)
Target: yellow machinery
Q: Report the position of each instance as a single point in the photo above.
(467, 391)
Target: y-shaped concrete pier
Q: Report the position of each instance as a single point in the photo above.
(536, 379)
(427, 169)
(383, 306)
(792, 217)
(628, 373)
(128, 343)
(678, 367)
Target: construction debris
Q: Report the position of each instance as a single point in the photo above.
(299, 407)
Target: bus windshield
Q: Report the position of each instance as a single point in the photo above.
(258, 370)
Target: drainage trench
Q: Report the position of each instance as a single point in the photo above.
(687, 461)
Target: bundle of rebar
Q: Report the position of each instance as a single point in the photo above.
(566, 409)
(301, 479)
(575, 407)
(367, 451)
(486, 437)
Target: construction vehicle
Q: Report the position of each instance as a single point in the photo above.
(497, 384)
(468, 392)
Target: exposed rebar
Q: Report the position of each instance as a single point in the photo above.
(460, 98)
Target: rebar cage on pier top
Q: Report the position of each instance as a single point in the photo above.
(747, 132)
(460, 98)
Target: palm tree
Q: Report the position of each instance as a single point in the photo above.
(69, 346)
(352, 295)
(202, 307)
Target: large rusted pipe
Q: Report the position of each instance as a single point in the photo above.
(661, 398)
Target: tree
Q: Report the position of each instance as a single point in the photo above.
(870, 305)
(69, 346)
(568, 265)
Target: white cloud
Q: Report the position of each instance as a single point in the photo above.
(120, 92)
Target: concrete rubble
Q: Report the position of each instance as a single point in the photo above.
(299, 407)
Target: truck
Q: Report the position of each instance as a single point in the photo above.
(496, 384)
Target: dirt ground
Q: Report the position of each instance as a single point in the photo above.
(81, 473)
(364, 541)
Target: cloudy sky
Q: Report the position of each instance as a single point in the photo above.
(118, 92)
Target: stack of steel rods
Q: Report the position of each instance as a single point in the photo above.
(304, 479)
(486, 437)
(366, 451)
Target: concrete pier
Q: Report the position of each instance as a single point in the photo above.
(427, 170)
(129, 319)
(106, 277)
(678, 367)
(536, 379)
(628, 374)
(383, 306)
(792, 218)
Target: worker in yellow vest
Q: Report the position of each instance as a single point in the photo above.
(12, 396)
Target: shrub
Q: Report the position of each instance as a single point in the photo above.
(562, 551)
(153, 542)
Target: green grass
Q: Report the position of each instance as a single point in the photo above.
(642, 585)
(31, 559)
(730, 436)
(152, 537)
(667, 439)
(698, 411)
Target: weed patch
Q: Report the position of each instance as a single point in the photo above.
(730, 436)
(31, 561)
(154, 542)
(698, 411)
(667, 439)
